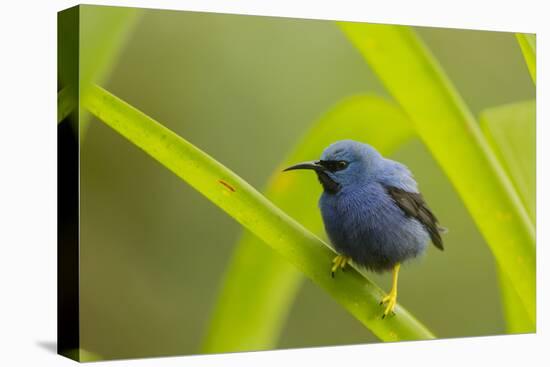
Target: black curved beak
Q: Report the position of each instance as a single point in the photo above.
(328, 183)
(313, 165)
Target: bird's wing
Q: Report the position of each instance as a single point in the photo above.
(413, 205)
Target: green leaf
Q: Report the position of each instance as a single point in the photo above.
(511, 131)
(260, 286)
(103, 32)
(517, 319)
(90, 38)
(528, 45)
(241, 201)
(449, 130)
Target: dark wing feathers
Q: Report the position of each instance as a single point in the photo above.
(413, 205)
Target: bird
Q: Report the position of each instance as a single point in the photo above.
(373, 213)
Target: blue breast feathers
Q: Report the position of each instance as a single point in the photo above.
(363, 222)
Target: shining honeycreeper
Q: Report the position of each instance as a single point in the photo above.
(372, 210)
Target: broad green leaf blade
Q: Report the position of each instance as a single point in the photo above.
(257, 294)
(511, 131)
(528, 45)
(247, 206)
(448, 129)
(260, 286)
(517, 318)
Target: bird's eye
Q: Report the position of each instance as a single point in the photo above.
(341, 165)
(334, 166)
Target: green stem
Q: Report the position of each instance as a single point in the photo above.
(241, 201)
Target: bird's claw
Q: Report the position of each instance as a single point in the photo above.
(339, 262)
(391, 301)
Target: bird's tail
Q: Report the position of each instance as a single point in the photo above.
(442, 230)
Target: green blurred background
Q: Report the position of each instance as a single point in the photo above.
(245, 89)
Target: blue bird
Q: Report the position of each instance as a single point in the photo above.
(372, 210)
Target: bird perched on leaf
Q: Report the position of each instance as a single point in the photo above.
(372, 210)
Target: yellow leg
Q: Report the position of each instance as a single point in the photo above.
(391, 298)
(339, 261)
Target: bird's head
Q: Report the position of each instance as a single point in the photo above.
(342, 164)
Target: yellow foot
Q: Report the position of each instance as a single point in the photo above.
(390, 301)
(339, 261)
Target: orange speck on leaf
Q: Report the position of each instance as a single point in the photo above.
(227, 186)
